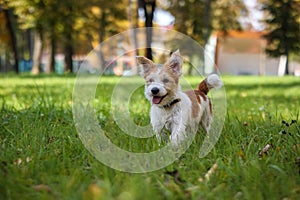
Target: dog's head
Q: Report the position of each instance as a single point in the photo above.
(162, 82)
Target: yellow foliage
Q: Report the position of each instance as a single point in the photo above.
(4, 34)
(96, 11)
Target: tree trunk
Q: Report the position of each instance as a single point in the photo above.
(286, 71)
(51, 58)
(9, 25)
(29, 43)
(68, 57)
(68, 49)
(287, 51)
(37, 53)
(149, 8)
(136, 25)
(48, 50)
(207, 21)
(101, 39)
(190, 69)
(52, 54)
(133, 18)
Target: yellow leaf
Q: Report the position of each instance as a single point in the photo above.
(93, 192)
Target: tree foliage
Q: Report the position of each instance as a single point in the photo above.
(8, 33)
(198, 18)
(283, 25)
(68, 26)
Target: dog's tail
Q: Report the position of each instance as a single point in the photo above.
(212, 81)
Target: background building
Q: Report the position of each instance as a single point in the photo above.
(242, 53)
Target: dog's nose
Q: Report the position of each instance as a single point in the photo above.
(155, 90)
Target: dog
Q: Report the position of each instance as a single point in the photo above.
(172, 109)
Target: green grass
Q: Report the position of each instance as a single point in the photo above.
(42, 157)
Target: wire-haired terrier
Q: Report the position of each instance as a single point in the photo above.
(172, 109)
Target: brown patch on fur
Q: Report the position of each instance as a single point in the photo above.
(194, 96)
(203, 87)
(200, 93)
(195, 99)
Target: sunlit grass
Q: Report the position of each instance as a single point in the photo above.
(41, 155)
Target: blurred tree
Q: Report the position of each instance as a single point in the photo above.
(69, 13)
(133, 17)
(149, 9)
(9, 37)
(101, 20)
(226, 14)
(52, 16)
(67, 26)
(198, 18)
(283, 26)
(31, 16)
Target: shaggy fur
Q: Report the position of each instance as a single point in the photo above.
(177, 111)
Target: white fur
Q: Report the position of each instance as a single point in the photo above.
(175, 119)
(214, 81)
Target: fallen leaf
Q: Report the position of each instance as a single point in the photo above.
(93, 192)
(208, 174)
(244, 94)
(266, 148)
(42, 187)
(211, 171)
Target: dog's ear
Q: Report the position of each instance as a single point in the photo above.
(146, 63)
(175, 62)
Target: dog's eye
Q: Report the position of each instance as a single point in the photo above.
(151, 80)
(166, 80)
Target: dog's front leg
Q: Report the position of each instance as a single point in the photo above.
(161, 136)
(158, 128)
(178, 135)
(158, 122)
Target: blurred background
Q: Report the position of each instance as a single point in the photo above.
(252, 37)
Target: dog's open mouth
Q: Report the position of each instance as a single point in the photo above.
(158, 99)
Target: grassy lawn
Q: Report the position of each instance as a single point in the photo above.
(42, 157)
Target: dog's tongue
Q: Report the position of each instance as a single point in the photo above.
(156, 100)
